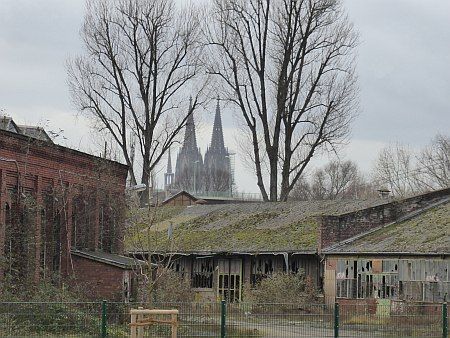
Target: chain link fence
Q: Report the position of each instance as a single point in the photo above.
(236, 320)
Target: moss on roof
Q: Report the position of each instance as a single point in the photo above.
(244, 227)
(428, 232)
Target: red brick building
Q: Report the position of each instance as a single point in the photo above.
(53, 200)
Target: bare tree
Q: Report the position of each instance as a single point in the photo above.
(395, 170)
(404, 173)
(336, 180)
(434, 161)
(141, 61)
(301, 191)
(152, 250)
(288, 67)
(340, 177)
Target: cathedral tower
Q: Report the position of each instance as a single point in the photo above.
(218, 178)
(189, 165)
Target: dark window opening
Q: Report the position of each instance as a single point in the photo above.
(202, 273)
(261, 268)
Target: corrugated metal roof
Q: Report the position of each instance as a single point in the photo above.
(120, 261)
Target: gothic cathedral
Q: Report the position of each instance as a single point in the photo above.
(211, 176)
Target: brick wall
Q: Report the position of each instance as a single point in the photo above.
(42, 170)
(103, 281)
(334, 229)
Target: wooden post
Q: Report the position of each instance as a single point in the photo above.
(140, 317)
(174, 325)
(133, 327)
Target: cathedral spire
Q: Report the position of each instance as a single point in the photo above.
(217, 143)
(169, 164)
(189, 165)
(169, 175)
(190, 139)
(217, 160)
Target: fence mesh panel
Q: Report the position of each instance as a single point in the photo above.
(50, 319)
(390, 320)
(243, 320)
(195, 319)
(279, 320)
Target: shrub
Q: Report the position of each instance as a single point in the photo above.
(172, 287)
(283, 288)
(46, 309)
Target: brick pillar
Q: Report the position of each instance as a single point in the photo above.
(96, 220)
(120, 223)
(37, 230)
(66, 232)
(3, 194)
(69, 224)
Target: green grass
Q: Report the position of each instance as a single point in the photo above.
(189, 236)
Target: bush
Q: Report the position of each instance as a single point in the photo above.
(283, 288)
(172, 287)
(46, 309)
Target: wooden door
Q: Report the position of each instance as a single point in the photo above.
(229, 279)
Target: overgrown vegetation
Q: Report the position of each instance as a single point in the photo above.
(173, 287)
(188, 237)
(283, 288)
(46, 309)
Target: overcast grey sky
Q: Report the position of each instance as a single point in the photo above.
(403, 66)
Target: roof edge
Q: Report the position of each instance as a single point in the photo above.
(387, 253)
(63, 148)
(406, 217)
(92, 256)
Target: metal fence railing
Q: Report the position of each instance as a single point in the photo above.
(236, 320)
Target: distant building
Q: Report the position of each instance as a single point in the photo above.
(209, 177)
(38, 133)
(189, 166)
(218, 178)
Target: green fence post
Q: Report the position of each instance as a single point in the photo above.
(104, 331)
(444, 320)
(223, 319)
(336, 320)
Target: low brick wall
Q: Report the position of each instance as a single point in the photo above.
(334, 229)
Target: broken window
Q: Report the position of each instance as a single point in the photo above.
(261, 268)
(412, 279)
(346, 279)
(179, 265)
(202, 273)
